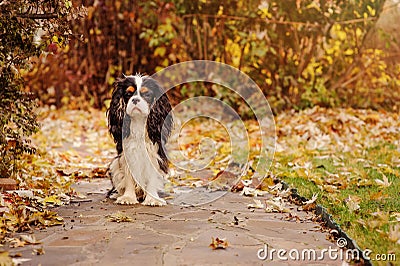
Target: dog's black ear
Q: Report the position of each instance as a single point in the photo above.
(159, 126)
(115, 114)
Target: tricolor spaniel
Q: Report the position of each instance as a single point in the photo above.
(140, 124)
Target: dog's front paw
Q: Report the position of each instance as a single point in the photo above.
(150, 201)
(126, 200)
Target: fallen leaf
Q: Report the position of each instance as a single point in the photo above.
(394, 233)
(238, 186)
(378, 196)
(252, 192)
(384, 182)
(119, 217)
(312, 200)
(53, 200)
(380, 218)
(396, 215)
(38, 251)
(218, 243)
(276, 205)
(257, 205)
(310, 205)
(30, 239)
(352, 202)
(16, 242)
(292, 217)
(17, 261)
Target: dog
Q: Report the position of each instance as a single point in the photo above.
(140, 123)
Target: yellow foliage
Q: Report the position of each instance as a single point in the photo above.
(160, 51)
(234, 49)
(371, 10)
(349, 52)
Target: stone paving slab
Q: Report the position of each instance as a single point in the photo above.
(172, 235)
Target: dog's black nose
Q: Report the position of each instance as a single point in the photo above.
(135, 101)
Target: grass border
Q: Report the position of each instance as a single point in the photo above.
(326, 218)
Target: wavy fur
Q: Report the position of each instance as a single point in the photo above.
(158, 129)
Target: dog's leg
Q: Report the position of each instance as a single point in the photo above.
(116, 173)
(129, 196)
(123, 181)
(154, 201)
(152, 198)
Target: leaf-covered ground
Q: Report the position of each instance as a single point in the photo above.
(351, 158)
(348, 160)
(71, 145)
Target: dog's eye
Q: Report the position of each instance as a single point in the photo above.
(144, 90)
(130, 89)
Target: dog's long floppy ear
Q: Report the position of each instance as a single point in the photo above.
(159, 126)
(115, 114)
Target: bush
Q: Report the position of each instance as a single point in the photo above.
(19, 23)
(17, 122)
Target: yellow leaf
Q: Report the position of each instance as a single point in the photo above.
(371, 10)
(160, 51)
(52, 200)
(314, 5)
(341, 35)
(165, 62)
(349, 52)
(220, 10)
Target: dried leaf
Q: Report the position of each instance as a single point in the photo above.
(312, 200)
(276, 204)
(16, 242)
(252, 192)
(29, 239)
(394, 233)
(384, 182)
(119, 217)
(218, 243)
(352, 203)
(257, 205)
(38, 251)
(310, 204)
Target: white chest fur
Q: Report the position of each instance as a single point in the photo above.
(141, 157)
(137, 166)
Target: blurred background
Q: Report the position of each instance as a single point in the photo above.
(301, 53)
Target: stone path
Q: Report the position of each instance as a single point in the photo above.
(173, 235)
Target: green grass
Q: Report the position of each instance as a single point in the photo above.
(379, 204)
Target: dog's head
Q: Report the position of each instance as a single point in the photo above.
(140, 96)
(140, 93)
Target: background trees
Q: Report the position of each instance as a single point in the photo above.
(301, 53)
